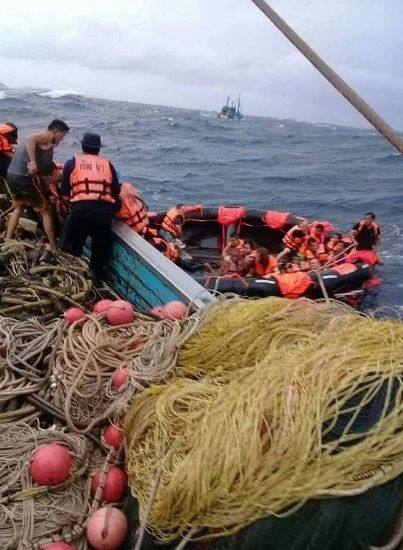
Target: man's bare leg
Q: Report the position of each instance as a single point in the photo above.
(49, 228)
(14, 217)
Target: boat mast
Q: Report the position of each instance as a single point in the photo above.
(381, 125)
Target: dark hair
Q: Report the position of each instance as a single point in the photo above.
(47, 168)
(311, 240)
(60, 125)
(90, 150)
(234, 235)
(338, 235)
(249, 242)
(264, 256)
(298, 233)
(370, 214)
(12, 135)
(320, 226)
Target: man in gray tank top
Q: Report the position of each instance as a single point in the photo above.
(32, 161)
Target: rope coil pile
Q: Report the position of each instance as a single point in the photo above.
(83, 364)
(267, 409)
(28, 289)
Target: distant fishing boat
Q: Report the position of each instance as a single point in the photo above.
(231, 111)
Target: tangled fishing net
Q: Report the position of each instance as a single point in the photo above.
(32, 515)
(28, 289)
(273, 403)
(84, 362)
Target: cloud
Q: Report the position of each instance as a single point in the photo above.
(196, 52)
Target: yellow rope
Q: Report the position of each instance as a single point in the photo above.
(244, 428)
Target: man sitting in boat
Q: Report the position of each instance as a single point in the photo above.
(232, 262)
(292, 240)
(317, 231)
(310, 252)
(234, 242)
(264, 265)
(171, 227)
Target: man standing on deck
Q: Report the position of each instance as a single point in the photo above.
(31, 161)
(91, 183)
(366, 233)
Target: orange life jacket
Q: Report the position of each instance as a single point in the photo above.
(227, 215)
(168, 223)
(133, 211)
(293, 285)
(275, 219)
(289, 241)
(5, 146)
(91, 179)
(363, 256)
(166, 248)
(261, 270)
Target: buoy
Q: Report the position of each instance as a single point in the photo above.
(58, 546)
(102, 306)
(73, 314)
(113, 436)
(50, 464)
(157, 311)
(138, 346)
(174, 310)
(107, 528)
(115, 484)
(120, 377)
(120, 312)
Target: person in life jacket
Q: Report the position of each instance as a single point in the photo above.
(292, 240)
(167, 248)
(366, 233)
(30, 163)
(234, 242)
(232, 262)
(8, 139)
(91, 182)
(317, 231)
(133, 211)
(171, 227)
(265, 264)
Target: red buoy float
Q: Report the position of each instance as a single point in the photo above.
(174, 310)
(114, 487)
(120, 377)
(120, 312)
(50, 464)
(73, 314)
(101, 306)
(107, 528)
(113, 436)
(58, 546)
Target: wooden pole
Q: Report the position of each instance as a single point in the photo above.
(381, 125)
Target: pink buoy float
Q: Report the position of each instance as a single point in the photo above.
(174, 310)
(115, 485)
(73, 314)
(120, 312)
(120, 377)
(157, 312)
(107, 528)
(101, 306)
(113, 436)
(50, 464)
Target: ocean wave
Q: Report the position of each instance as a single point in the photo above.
(391, 157)
(58, 94)
(3, 95)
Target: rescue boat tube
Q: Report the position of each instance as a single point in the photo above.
(333, 281)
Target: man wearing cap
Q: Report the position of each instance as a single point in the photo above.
(91, 183)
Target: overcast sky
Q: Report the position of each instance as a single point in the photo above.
(193, 53)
